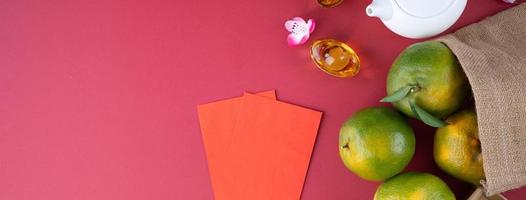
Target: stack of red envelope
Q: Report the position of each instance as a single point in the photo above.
(257, 147)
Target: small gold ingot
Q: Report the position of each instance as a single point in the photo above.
(335, 58)
(329, 3)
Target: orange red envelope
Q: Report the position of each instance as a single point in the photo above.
(257, 147)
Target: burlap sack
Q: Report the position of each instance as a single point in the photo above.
(493, 56)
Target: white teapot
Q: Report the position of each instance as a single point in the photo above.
(417, 18)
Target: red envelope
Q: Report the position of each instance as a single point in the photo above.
(269, 152)
(257, 147)
(217, 122)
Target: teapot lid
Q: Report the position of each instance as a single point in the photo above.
(424, 8)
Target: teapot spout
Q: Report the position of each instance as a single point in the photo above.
(381, 9)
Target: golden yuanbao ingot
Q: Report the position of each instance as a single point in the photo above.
(335, 58)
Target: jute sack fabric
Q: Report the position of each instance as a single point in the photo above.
(493, 56)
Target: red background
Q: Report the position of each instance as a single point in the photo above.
(98, 98)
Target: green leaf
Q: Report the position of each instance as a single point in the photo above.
(398, 95)
(425, 116)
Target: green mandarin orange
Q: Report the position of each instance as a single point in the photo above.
(414, 186)
(441, 86)
(457, 147)
(376, 143)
